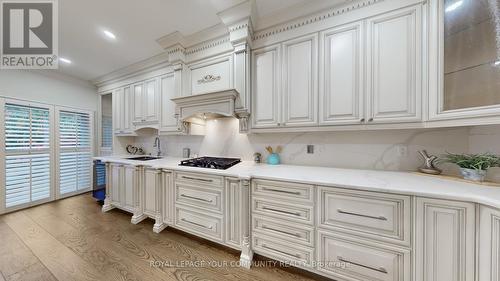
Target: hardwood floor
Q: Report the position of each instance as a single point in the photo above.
(71, 239)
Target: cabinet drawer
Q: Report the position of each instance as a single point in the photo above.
(359, 260)
(284, 230)
(282, 251)
(285, 190)
(294, 212)
(198, 178)
(198, 223)
(379, 216)
(201, 197)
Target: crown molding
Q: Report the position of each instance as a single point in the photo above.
(235, 14)
(177, 38)
(236, 28)
(207, 45)
(313, 18)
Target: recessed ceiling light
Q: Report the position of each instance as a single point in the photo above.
(109, 34)
(454, 6)
(496, 63)
(67, 61)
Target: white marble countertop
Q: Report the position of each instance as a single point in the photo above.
(371, 180)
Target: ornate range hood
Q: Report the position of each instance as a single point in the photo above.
(208, 105)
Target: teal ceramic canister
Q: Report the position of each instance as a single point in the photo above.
(273, 159)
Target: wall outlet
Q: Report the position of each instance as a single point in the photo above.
(402, 150)
(310, 149)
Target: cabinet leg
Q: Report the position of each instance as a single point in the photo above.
(246, 254)
(159, 227)
(107, 206)
(138, 218)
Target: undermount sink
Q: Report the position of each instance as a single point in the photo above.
(143, 158)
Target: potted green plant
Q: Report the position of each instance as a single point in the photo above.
(472, 166)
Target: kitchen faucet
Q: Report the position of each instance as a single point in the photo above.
(157, 145)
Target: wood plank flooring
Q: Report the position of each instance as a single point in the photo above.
(71, 239)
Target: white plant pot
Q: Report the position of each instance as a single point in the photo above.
(473, 175)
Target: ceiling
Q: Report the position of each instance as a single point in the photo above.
(137, 25)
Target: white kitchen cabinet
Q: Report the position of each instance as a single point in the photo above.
(151, 194)
(366, 261)
(489, 244)
(169, 119)
(128, 187)
(285, 90)
(116, 182)
(341, 75)
(266, 108)
(146, 103)
(233, 212)
(394, 66)
(168, 198)
(124, 182)
(300, 81)
(445, 233)
(122, 124)
(138, 100)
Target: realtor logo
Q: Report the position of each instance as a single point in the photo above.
(28, 34)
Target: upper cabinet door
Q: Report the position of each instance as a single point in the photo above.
(167, 92)
(117, 110)
(138, 102)
(126, 116)
(300, 92)
(266, 87)
(394, 78)
(151, 100)
(341, 75)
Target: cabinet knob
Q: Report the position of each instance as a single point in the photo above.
(370, 120)
(279, 124)
(362, 120)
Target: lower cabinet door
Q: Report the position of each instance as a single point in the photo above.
(116, 183)
(168, 197)
(150, 196)
(445, 235)
(199, 223)
(128, 188)
(489, 244)
(282, 250)
(347, 258)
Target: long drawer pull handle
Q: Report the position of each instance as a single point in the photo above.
(281, 231)
(197, 224)
(382, 218)
(279, 251)
(196, 198)
(379, 269)
(197, 179)
(282, 191)
(281, 211)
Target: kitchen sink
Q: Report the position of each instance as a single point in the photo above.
(143, 158)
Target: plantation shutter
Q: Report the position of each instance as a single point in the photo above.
(107, 132)
(75, 159)
(27, 148)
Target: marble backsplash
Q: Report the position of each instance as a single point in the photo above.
(394, 150)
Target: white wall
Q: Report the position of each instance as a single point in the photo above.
(363, 150)
(486, 139)
(48, 86)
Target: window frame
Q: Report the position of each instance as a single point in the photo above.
(4, 154)
(57, 149)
